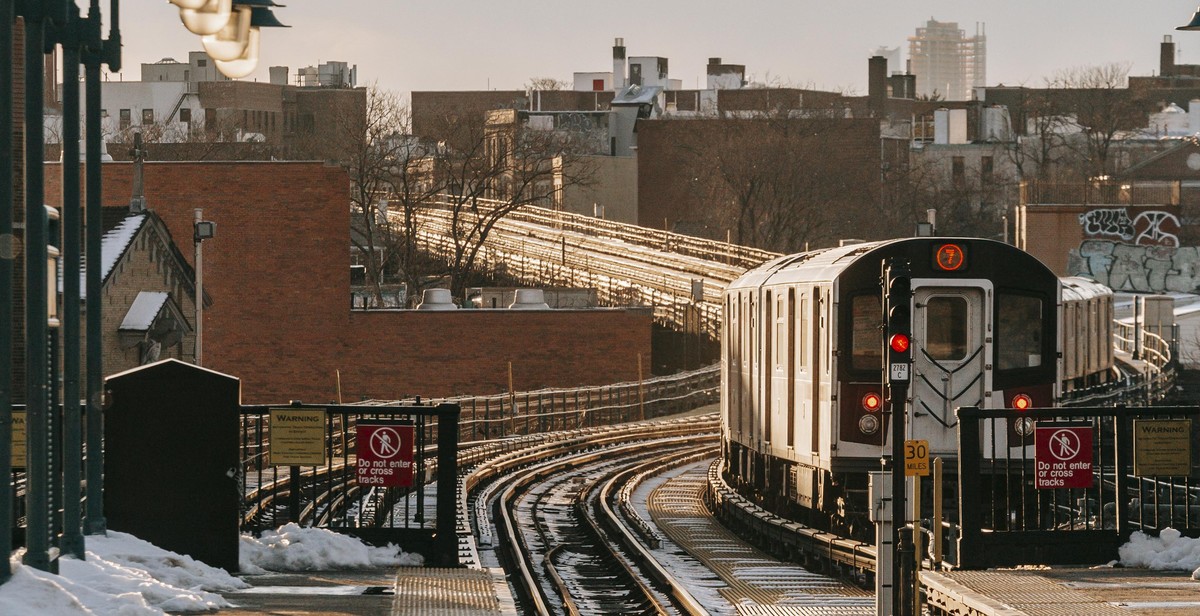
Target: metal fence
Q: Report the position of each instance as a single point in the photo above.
(329, 495)
(530, 412)
(1011, 512)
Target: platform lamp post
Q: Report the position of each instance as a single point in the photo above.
(201, 230)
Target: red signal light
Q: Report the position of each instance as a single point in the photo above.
(871, 402)
(899, 343)
(1021, 402)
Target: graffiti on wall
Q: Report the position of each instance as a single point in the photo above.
(1148, 228)
(1138, 252)
(1146, 269)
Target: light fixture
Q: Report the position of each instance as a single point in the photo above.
(868, 424)
(244, 64)
(209, 19)
(1194, 24)
(260, 17)
(189, 4)
(231, 42)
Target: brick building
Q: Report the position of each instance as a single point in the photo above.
(149, 294)
(280, 319)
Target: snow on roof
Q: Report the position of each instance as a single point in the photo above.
(143, 311)
(636, 94)
(114, 243)
(112, 247)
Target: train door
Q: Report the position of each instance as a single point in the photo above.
(950, 356)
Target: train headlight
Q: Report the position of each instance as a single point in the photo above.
(868, 424)
(1023, 426)
(871, 402)
(1021, 402)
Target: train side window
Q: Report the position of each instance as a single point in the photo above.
(1018, 331)
(946, 328)
(866, 346)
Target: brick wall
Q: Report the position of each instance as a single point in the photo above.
(277, 273)
(468, 351)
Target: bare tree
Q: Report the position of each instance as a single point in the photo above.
(546, 84)
(373, 149)
(1103, 106)
(788, 182)
(495, 166)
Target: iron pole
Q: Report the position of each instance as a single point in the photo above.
(94, 523)
(36, 338)
(72, 540)
(8, 249)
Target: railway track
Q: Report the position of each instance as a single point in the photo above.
(562, 540)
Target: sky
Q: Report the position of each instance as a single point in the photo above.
(405, 45)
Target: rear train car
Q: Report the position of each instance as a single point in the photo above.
(803, 352)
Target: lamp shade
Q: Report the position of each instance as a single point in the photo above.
(244, 65)
(189, 4)
(209, 19)
(230, 43)
(264, 18)
(1194, 24)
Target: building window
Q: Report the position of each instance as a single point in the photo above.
(597, 85)
(986, 169)
(185, 115)
(147, 117)
(126, 119)
(210, 119)
(202, 62)
(957, 170)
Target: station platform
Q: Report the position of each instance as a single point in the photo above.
(1066, 591)
(407, 591)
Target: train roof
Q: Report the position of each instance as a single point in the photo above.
(1078, 288)
(828, 264)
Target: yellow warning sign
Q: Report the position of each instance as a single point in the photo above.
(297, 437)
(916, 458)
(18, 439)
(1162, 447)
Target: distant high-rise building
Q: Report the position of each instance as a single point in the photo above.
(946, 61)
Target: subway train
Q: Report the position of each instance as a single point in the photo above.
(802, 359)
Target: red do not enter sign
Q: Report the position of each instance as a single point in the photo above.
(1063, 456)
(385, 454)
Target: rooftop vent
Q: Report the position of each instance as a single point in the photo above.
(437, 299)
(529, 299)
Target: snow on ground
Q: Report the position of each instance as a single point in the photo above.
(1169, 550)
(294, 548)
(125, 576)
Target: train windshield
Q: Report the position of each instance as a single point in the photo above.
(946, 329)
(867, 341)
(1018, 332)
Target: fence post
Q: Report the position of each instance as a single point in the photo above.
(968, 488)
(446, 538)
(1123, 429)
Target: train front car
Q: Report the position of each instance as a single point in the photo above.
(805, 415)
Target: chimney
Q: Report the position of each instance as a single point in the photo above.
(137, 202)
(876, 83)
(1166, 57)
(618, 79)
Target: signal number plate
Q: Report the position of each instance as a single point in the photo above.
(899, 372)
